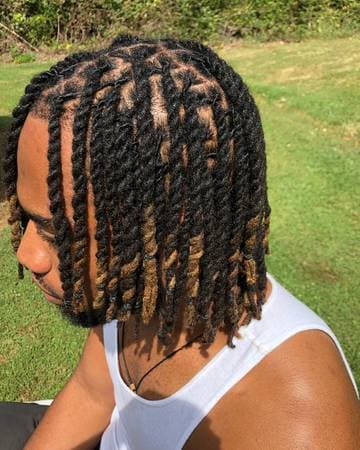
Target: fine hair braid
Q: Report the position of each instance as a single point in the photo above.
(161, 215)
(184, 238)
(61, 224)
(147, 148)
(131, 285)
(113, 206)
(132, 281)
(102, 231)
(209, 263)
(176, 168)
(238, 95)
(115, 148)
(258, 196)
(196, 135)
(253, 250)
(263, 247)
(253, 245)
(240, 205)
(93, 74)
(129, 173)
(223, 199)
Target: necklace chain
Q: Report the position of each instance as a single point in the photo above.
(135, 386)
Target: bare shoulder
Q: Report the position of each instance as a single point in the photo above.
(92, 371)
(310, 361)
(299, 393)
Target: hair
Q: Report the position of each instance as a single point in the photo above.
(170, 131)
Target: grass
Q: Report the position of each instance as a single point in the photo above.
(38, 349)
(13, 79)
(306, 95)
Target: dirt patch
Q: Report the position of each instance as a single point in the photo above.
(3, 214)
(321, 271)
(4, 127)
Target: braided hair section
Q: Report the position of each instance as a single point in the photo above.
(33, 91)
(247, 130)
(168, 146)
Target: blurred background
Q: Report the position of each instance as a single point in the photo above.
(61, 24)
(301, 60)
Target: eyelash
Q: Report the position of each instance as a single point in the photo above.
(49, 239)
(24, 222)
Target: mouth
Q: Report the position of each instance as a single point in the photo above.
(50, 298)
(48, 295)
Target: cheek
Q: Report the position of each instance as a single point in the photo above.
(55, 259)
(54, 277)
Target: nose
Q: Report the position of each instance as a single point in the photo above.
(32, 252)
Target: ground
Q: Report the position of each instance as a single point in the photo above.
(311, 115)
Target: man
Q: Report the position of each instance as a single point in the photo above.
(136, 177)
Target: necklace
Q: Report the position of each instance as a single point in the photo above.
(135, 386)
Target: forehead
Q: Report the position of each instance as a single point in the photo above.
(33, 166)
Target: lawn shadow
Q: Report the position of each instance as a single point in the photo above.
(4, 127)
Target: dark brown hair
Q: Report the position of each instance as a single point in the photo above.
(171, 131)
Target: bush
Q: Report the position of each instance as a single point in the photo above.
(75, 21)
(22, 58)
(279, 19)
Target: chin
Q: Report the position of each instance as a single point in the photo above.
(85, 319)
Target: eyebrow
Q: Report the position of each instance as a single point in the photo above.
(42, 221)
(39, 220)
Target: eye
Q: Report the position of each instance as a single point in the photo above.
(48, 238)
(23, 222)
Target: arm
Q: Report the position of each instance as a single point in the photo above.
(310, 400)
(82, 409)
(298, 397)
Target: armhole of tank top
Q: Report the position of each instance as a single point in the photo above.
(256, 360)
(312, 326)
(348, 368)
(315, 326)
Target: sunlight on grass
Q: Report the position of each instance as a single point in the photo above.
(38, 349)
(306, 93)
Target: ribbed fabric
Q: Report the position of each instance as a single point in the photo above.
(140, 424)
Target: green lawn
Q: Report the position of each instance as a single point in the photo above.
(307, 94)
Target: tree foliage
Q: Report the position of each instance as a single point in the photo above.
(73, 21)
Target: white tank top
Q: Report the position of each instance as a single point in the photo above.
(166, 424)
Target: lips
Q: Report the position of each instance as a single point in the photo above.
(44, 290)
(48, 293)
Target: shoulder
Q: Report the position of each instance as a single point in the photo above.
(92, 371)
(299, 393)
(312, 364)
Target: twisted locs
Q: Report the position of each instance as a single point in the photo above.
(168, 152)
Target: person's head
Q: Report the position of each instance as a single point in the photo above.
(148, 159)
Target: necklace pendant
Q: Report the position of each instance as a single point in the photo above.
(132, 387)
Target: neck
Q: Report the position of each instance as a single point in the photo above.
(149, 344)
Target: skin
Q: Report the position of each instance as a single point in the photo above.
(35, 253)
(40, 256)
(297, 383)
